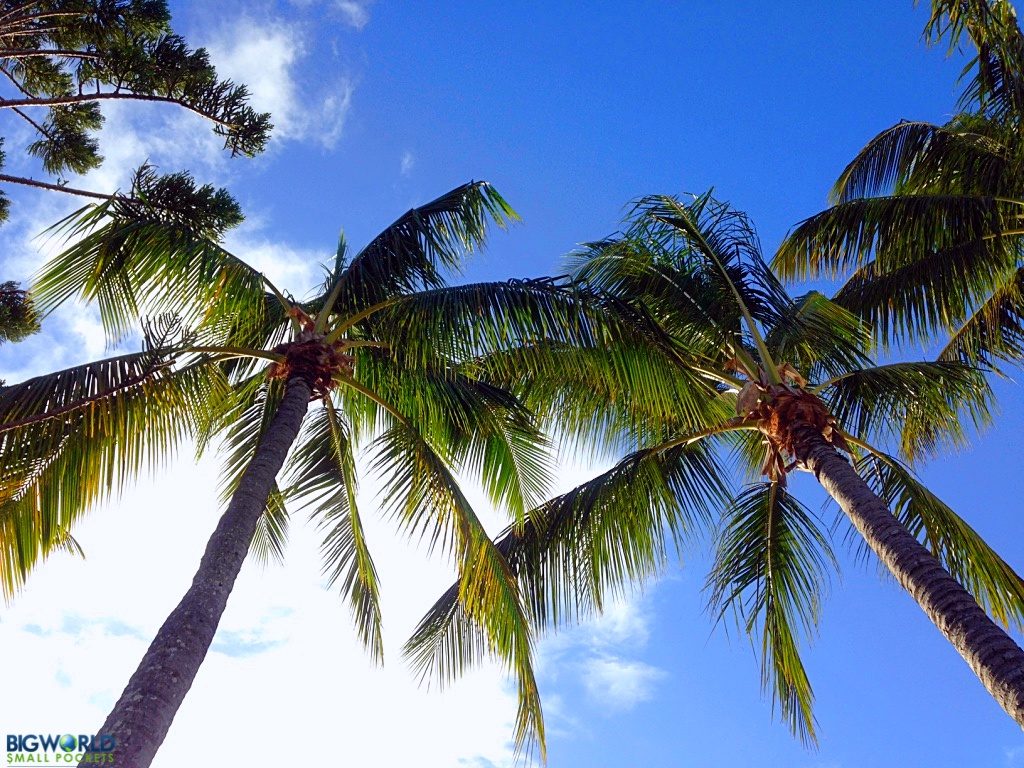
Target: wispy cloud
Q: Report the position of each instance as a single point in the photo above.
(240, 645)
(614, 683)
(602, 656)
(76, 625)
(408, 163)
(356, 14)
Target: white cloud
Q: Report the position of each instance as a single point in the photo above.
(617, 684)
(602, 656)
(408, 163)
(356, 14)
(265, 55)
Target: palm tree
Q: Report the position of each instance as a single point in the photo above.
(385, 351)
(743, 377)
(926, 225)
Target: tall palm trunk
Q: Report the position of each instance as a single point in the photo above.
(142, 716)
(993, 655)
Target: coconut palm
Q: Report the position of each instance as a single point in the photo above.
(927, 220)
(743, 377)
(380, 352)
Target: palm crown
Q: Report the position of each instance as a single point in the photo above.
(735, 377)
(388, 352)
(927, 219)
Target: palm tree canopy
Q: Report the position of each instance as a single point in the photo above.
(400, 362)
(926, 223)
(727, 349)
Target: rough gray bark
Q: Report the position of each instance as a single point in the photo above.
(993, 655)
(142, 716)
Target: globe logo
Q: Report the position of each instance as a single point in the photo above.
(68, 742)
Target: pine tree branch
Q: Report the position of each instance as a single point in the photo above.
(8, 21)
(24, 53)
(57, 187)
(61, 101)
(33, 123)
(14, 80)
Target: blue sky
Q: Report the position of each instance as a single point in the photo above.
(570, 114)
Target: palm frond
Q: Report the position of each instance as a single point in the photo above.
(110, 420)
(996, 85)
(962, 552)
(423, 494)
(465, 321)
(322, 476)
(994, 331)
(924, 298)
(271, 536)
(244, 421)
(771, 568)
(701, 310)
(900, 230)
(605, 396)
(720, 241)
(412, 253)
(481, 429)
(926, 404)
(966, 155)
(133, 259)
(584, 546)
(819, 337)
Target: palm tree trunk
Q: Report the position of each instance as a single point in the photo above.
(993, 655)
(142, 716)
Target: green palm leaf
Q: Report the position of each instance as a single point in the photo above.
(411, 253)
(925, 405)
(141, 256)
(971, 561)
(997, 83)
(423, 494)
(921, 156)
(593, 542)
(820, 337)
(771, 568)
(322, 476)
(75, 438)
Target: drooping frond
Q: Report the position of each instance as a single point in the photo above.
(966, 155)
(996, 82)
(271, 535)
(772, 568)
(586, 545)
(422, 493)
(962, 552)
(412, 253)
(602, 397)
(994, 331)
(76, 437)
(482, 430)
(924, 404)
(322, 476)
(926, 297)
(900, 230)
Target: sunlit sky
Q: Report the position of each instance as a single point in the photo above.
(570, 113)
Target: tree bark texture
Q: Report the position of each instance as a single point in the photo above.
(143, 715)
(994, 656)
